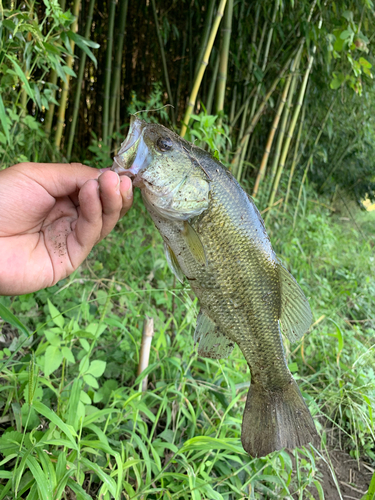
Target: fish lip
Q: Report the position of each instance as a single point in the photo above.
(125, 157)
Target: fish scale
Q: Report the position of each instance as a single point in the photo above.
(214, 236)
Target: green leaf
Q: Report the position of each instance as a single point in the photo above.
(107, 480)
(370, 495)
(55, 314)
(80, 492)
(10, 318)
(97, 368)
(335, 83)
(4, 120)
(21, 76)
(82, 44)
(52, 338)
(345, 34)
(52, 359)
(69, 71)
(84, 344)
(364, 62)
(55, 419)
(40, 478)
(73, 403)
(91, 381)
(67, 353)
(84, 364)
(85, 398)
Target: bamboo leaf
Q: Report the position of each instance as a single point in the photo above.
(84, 45)
(21, 76)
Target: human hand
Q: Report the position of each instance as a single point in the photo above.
(51, 215)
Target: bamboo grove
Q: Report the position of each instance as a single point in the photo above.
(287, 84)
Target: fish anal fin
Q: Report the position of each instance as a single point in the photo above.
(273, 420)
(295, 317)
(194, 243)
(212, 342)
(173, 264)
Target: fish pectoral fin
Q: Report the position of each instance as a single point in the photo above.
(194, 243)
(173, 264)
(212, 342)
(296, 316)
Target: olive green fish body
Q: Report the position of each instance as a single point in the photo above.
(215, 237)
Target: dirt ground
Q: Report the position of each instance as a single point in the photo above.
(352, 479)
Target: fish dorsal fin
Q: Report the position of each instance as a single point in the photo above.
(173, 264)
(212, 342)
(296, 316)
(194, 243)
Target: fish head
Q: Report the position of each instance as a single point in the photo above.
(163, 166)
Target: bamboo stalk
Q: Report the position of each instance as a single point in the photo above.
(53, 82)
(279, 159)
(183, 53)
(205, 34)
(117, 65)
(255, 100)
(65, 90)
(294, 162)
(79, 83)
(249, 71)
(51, 105)
(108, 70)
(144, 355)
(198, 80)
(236, 74)
(274, 127)
(256, 118)
(258, 114)
(292, 126)
(161, 45)
(224, 53)
(309, 161)
(211, 90)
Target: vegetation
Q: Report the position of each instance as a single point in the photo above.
(287, 104)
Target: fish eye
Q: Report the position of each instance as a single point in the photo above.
(164, 143)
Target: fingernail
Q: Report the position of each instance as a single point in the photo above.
(128, 194)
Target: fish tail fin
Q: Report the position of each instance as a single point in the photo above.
(275, 419)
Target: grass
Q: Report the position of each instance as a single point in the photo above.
(72, 410)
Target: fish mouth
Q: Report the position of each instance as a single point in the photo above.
(133, 156)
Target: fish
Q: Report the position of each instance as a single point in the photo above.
(214, 237)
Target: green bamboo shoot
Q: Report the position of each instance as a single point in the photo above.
(295, 156)
(65, 90)
(79, 83)
(224, 53)
(198, 80)
(108, 70)
(164, 60)
(117, 65)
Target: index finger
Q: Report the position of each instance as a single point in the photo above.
(58, 179)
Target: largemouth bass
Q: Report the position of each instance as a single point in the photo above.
(214, 237)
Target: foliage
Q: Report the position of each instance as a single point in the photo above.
(79, 419)
(208, 131)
